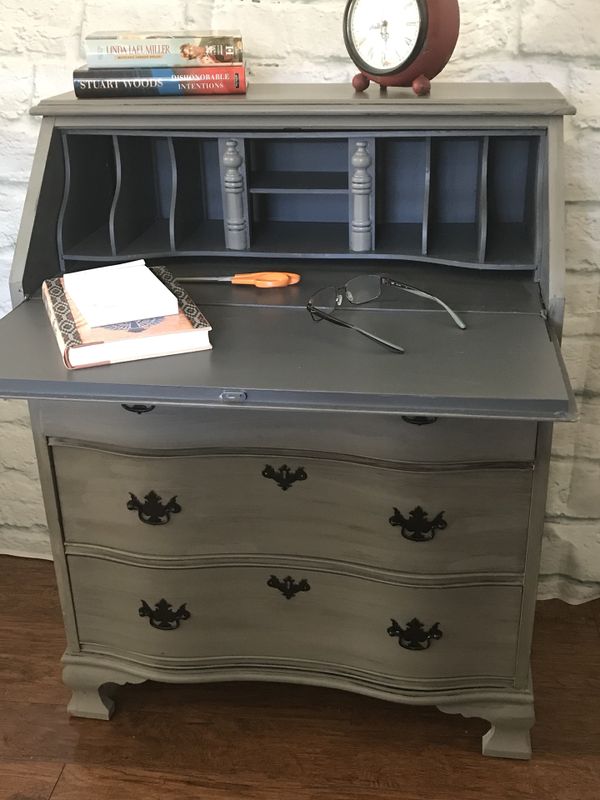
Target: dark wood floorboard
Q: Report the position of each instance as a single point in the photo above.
(271, 741)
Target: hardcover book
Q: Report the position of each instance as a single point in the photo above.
(156, 49)
(159, 81)
(83, 346)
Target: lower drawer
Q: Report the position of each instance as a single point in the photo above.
(243, 614)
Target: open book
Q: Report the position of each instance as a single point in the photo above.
(83, 346)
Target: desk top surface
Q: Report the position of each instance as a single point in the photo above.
(326, 99)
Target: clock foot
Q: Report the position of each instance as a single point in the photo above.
(421, 86)
(360, 82)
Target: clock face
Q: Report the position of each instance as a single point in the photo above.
(383, 35)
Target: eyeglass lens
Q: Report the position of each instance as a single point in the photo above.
(363, 289)
(325, 299)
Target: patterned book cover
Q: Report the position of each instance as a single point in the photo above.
(82, 346)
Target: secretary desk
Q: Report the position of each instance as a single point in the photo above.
(302, 504)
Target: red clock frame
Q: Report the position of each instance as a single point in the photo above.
(443, 25)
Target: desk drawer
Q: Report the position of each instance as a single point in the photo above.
(403, 519)
(237, 614)
(382, 436)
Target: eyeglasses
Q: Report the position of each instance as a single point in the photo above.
(363, 289)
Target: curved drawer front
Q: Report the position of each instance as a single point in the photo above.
(369, 435)
(429, 521)
(232, 614)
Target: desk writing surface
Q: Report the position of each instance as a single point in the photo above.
(503, 365)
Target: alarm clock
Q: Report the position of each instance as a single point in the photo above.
(400, 42)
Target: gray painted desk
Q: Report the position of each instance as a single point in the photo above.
(300, 504)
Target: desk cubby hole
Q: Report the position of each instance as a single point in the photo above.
(512, 200)
(198, 209)
(142, 208)
(299, 223)
(401, 183)
(298, 165)
(453, 214)
(89, 191)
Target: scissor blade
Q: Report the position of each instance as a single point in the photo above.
(222, 279)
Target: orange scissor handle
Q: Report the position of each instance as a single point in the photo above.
(267, 280)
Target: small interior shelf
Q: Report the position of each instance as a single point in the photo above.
(298, 165)
(295, 182)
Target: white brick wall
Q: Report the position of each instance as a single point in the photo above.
(300, 40)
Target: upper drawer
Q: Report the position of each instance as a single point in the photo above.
(402, 519)
(386, 436)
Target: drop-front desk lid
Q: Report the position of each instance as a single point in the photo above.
(268, 352)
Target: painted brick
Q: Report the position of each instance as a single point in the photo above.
(583, 236)
(295, 36)
(570, 548)
(582, 358)
(21, 500)
(482, 34)
(31, 542)
(17, 146)
(137, 15)
(14, 411)
(561, 27)
(16, 76)
(12, 197)
(505, 71)
(580, 439)
(582, 167)
(585, 94)
(36, 28)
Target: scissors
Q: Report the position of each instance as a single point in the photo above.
(263, 280)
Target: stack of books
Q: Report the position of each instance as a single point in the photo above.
(127, 64)
(123, 312)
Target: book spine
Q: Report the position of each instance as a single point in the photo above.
(62, 344)
(160, 81)
(163, 51)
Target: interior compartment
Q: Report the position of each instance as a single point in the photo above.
(90, 186)
(144, 196)
(401, 171)
(299, 223)
(198, 213)
(298, 165)
(454, 199)
(512, 199)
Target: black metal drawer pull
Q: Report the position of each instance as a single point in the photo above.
(288, 586)
(152, 511)
(418, 528)
(138, 408)
(284, 476)
(414, 636)
(163, 617)
(420, 420)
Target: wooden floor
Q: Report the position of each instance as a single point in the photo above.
(277, 742)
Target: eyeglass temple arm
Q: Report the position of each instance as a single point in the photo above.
(427, 296)
(342, 323)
